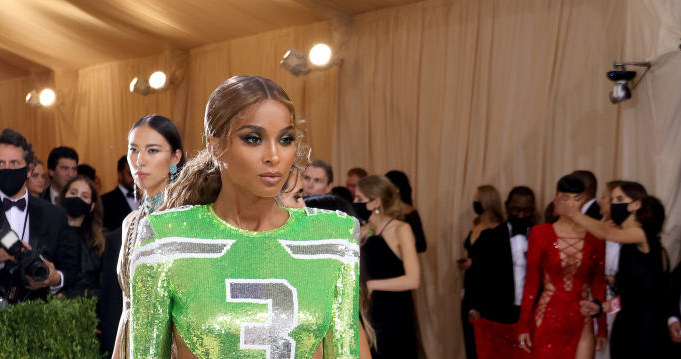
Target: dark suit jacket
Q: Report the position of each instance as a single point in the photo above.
(594, 211)
(49, 236)
(492, 291)
(110, 303)
(116, 207)
(46, 195)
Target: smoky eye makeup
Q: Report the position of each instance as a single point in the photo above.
(250, 138)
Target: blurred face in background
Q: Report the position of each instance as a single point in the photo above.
(351, 184)
(604, 203)
(125, 177)
(315, 181)
(38, 181)
(292, 193)
(66, 169)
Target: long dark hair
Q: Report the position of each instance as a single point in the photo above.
(401, 182)
(92, 227)
(199, 182)
(650, 216)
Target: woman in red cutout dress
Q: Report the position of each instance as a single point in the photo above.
(568, 265)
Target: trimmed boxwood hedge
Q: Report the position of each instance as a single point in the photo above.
(56, 328)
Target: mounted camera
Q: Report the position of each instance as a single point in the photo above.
(26, 263)
(621, 76)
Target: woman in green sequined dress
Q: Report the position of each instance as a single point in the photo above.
(155, 155)
(225, 272)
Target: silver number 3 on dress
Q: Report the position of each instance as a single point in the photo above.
(282, 315)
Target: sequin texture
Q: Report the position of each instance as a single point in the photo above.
(233, 293)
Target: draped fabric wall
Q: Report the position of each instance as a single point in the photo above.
(455, 93)
(473, 92)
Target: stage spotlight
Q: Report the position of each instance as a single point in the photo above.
(132, 84)
(47, 97)
(157, 80)
(295, 62)
(32, 98)
(320, 55)
(621, 77)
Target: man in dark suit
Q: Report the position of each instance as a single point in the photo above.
(110, 304)
(40, 226)
(500, 268)
(121, 201)
(591, 208)
(62, 166)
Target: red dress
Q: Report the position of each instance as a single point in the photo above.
(567, 270)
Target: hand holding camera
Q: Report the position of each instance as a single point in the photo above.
(26, 267)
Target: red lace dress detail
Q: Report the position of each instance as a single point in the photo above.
(567, 270)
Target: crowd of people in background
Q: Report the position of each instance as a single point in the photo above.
(592, 279)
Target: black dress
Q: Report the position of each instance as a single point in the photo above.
(466, 304)
(392, 313)
(89, 264)
(640, 328)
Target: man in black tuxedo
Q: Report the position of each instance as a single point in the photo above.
(62, 166)
(591, 208)
(41, 226)
(121, 201)
(500, 273)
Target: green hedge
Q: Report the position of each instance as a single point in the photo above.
(56, 328)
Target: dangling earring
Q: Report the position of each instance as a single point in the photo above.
(377, 211)
(173, 172)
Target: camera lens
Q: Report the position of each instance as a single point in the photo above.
(38, 271)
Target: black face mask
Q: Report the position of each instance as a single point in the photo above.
(75, 206)
(519, 225)
(362, 212)
(477, 207)
(11, 180)
(619, 212)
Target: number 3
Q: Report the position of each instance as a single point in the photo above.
(282, 315)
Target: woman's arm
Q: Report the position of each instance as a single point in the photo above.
(121, 322)
(119, 333)
(603, 230)
(410, 261)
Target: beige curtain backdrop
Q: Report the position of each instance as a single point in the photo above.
(454, 93)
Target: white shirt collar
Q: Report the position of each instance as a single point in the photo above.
(123, 190)
(586, 205)
(53, 195)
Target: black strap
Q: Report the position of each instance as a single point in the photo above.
(384, 227)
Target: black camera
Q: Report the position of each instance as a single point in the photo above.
(28, 263)
(621, 75)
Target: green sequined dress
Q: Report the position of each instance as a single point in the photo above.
(233, 293)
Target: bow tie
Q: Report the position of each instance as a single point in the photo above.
(130, 194)
(7, 204)
(516, 231)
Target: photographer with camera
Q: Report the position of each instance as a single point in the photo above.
(37, 254)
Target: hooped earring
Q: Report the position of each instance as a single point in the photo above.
(173, 172)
